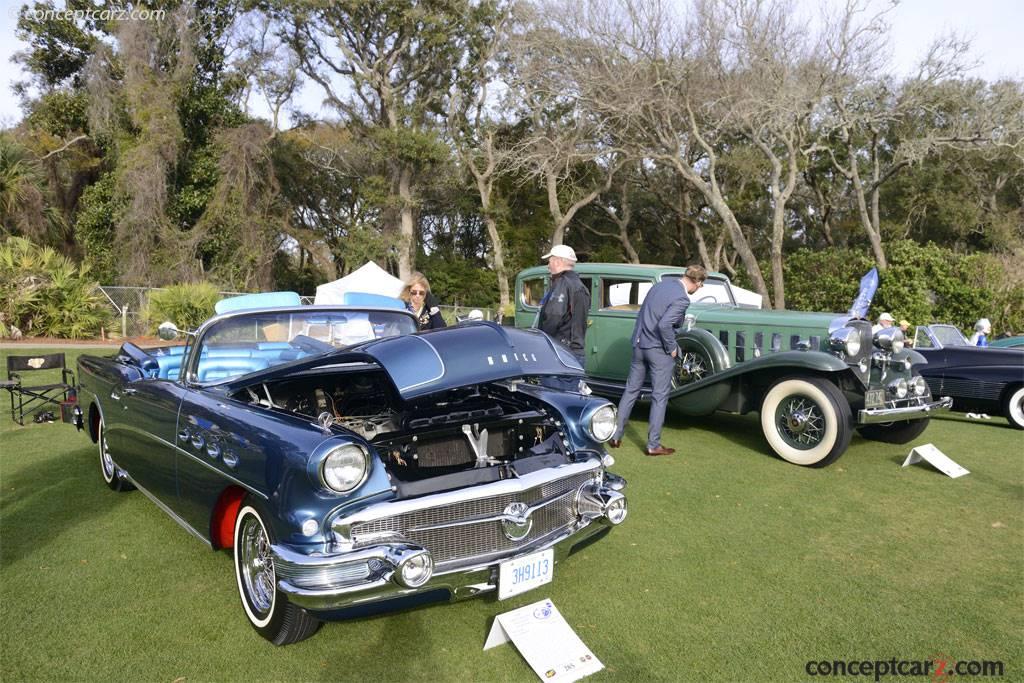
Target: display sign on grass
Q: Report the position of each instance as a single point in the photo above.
(546, 641)
(939, 460)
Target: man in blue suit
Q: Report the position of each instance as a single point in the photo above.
(655, 350)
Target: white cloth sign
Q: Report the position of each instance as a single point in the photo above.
(936, 459)
(546, 641)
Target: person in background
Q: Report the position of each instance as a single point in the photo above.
(982, 329)
(655, 351)
(905, 327)
(564, 308)
(885, 320)
(422, 303)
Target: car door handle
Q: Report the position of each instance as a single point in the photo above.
(128, 391)
(114, 395)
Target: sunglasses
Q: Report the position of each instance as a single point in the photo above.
(418, 292)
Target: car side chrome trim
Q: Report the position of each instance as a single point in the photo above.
(179, 449)
(170, 513)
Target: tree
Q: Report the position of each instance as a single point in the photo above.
(387, 67)
(480, 141)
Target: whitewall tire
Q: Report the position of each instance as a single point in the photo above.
(1014, 407)
(806, 421)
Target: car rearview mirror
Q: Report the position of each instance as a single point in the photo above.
(167, 331)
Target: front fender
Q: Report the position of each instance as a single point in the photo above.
(716, 391)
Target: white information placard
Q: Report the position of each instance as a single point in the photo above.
(546, 641)
(937, 459)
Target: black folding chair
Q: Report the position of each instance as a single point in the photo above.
(25, 399)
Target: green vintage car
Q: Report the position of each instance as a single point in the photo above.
(814, 377)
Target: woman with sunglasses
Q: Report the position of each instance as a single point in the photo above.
(422, 303)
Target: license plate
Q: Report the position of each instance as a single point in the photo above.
(874, 398)
(525, 573)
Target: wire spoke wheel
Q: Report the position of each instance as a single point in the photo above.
(800, 422)
(257, 566)
(691, 366)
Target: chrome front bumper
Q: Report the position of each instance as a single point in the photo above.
(323, 583)
(876, 415)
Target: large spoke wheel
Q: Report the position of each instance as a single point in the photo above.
(806, 421)
(112, 476)
(267, 608)
(692, 365)
(1013, 407)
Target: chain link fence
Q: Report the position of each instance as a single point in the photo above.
(128, 305)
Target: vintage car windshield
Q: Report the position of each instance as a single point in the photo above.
(948, 335)
(713, 291)
(246, 343)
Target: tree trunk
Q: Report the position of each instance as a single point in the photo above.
(498, 257)
(407, 234)
(862, 209)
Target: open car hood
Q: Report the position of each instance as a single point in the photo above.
(448, 358)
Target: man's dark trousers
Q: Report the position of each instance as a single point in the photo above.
(654, 341)
(661, 366)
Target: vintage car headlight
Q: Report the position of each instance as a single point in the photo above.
(898, 388)
(344, 468)
(845, 339)
(920, 386)
(890, 339)
(602, 422)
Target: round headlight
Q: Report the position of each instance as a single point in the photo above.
(602, 422)
(616, 510)
(416, 570)
(889, 339)
(845, 339)
(920, 386)
(898, 388)
(344, 468)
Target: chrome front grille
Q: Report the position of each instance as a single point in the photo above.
(477, 540)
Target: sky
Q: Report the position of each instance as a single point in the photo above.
(994, 27)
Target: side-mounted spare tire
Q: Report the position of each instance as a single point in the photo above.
(700, 356)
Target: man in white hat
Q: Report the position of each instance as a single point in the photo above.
(564, 308)
(885, 320)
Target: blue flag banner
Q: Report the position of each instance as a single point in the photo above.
(868, 285)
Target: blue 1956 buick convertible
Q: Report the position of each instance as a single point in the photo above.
(345, 461)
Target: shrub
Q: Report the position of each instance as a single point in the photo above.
(44, 294)
(924, 283)
(186, 305)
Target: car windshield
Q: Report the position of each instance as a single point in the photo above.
(948, 335)
(713, 291)
(246, 343)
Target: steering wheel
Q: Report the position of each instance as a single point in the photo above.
(709, 297)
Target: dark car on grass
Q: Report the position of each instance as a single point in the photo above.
(979, 379)
(346, 462)
(814, 377)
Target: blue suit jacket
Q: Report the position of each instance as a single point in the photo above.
(663, 310)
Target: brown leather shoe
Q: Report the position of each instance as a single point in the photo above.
(660, 450)
(615, 443)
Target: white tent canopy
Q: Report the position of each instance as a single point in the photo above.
(369, 278)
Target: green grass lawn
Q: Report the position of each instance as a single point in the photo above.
(732, 566)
